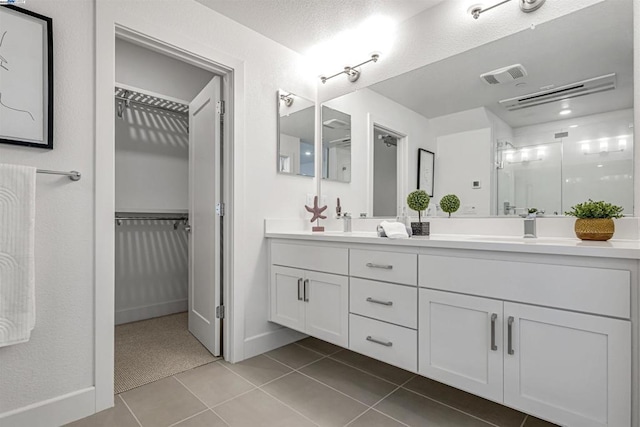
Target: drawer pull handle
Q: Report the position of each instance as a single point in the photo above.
(382, 266)
(384, 343)
(300, 289)
(494, 347)
(306, 290)
(376, 301)
(510, 335)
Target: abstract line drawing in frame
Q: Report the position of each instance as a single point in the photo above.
(26, 78)
(426, 165)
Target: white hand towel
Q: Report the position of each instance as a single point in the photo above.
(394, 230)
(17, 267)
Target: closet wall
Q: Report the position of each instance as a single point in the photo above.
(152, 167)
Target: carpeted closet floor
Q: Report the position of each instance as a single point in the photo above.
(149, 350)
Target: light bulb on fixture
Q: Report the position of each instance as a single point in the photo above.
(524, 155)
(622, 144)
(604, 146)
(585, 147)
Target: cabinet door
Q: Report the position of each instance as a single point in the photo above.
(287, 305)
(327, 307)
(460, 342)
(570, 368)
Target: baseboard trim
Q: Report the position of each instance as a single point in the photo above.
(58, 411)
(149, 311)
(268, 341)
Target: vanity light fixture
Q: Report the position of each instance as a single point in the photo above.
(13, 1)
(287, 99)
(603, 145)
(526, 6)
(353, 74)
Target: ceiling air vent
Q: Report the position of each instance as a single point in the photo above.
(562, 93)
(504, 75)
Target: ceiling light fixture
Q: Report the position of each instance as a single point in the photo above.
(565, 112)
(526, 6)
(353, 74)
(287, 99)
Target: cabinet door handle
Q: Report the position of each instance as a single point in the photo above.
(300, 289)
(510, 335)
(306, 290)
(383, 266)
(494, 347)
(384, 343)
(376, 301)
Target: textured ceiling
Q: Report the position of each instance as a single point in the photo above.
(302, 24)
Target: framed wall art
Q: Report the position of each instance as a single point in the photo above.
(426, 164)
(26, 78)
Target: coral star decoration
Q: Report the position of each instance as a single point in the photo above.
(316, 210)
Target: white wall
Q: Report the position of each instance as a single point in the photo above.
(145, 69)
(462, 158)
(367, 108)
(59, 357)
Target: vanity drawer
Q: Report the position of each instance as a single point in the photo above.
(392, 344)
(309, 257)
(387, 266)
(384, 301)
(587, 289)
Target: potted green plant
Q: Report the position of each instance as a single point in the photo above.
(419, 201)
(450, 204)
(595, 219)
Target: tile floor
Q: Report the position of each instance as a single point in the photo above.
(310, 383)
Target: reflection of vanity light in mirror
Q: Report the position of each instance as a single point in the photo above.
(603, 145)
(445, 108)
(296, 134)
(526, 6)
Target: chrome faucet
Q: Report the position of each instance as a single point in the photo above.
(530, 227)
(346, 217)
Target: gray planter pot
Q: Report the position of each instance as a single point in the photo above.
(420, 228)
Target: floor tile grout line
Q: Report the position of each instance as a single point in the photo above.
(526, 417)
(372, 407)
(231, 398)
(290, 407)
(189, 417)
(220, 416)
(319, 352)
(451, 407)
(130, 410)
(366, 372)
(189, 390)
(291, 367)
(335, 389)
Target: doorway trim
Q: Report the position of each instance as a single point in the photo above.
(112, 22)
(403, 180)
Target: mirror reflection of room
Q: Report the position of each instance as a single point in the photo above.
(296, 135)
(514, 124)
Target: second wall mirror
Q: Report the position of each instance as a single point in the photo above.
(296, 135)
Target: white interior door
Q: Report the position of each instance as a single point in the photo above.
(204, 194)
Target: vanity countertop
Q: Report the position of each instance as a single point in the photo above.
(625, 249)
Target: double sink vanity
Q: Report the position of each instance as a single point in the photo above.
(540, 325)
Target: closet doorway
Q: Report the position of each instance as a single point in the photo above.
(168, 219)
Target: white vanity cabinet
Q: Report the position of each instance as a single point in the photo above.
(545, 334)
(569, 367)
(313, 302)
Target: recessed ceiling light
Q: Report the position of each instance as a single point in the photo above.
(600, 166)
(308, 153)
(573, 126)
(565, 112)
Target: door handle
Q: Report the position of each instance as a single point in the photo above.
(300, 289)
(306, 290)
(494, 347)
(384, 343)
(383, 266)
(510, 335)
(376, 301)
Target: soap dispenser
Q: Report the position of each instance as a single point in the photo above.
(404, 219)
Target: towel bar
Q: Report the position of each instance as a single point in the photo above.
(73, 175)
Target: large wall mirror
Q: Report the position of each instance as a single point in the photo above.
(540, 119)
(296, 134)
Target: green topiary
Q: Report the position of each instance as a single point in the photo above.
(450, 203)
(418, 201)
(591, 209)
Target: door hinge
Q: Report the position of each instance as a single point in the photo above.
(220, 209)
(220, 312)
(220, 108)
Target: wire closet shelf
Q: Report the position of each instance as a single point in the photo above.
(128, 96)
